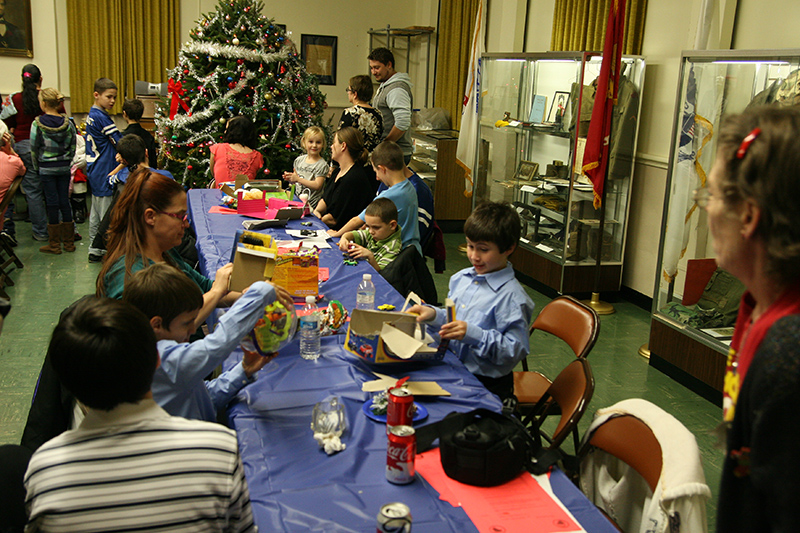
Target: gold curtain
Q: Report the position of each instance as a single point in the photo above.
(456, 24)
(581, 25)
(121, 40)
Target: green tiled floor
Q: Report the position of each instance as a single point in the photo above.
(47, 284)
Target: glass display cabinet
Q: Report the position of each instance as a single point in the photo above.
(694, 302)
(535, 111)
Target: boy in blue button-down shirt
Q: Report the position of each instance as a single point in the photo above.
(171, 301)
(490, 335)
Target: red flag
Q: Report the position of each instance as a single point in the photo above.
(595, 155)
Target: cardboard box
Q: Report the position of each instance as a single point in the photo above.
(297, 273)
(252, 262)
(382, 337)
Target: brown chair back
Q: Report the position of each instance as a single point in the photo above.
(10, 193)
(572, 390)
(632, 441)
(573, 322)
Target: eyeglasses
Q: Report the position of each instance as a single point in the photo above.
(183, 218)
(701, 196)
(349, 90)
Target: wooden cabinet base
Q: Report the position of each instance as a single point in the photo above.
(688, 361)
(568, 278)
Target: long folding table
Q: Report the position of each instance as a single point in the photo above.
(294, 485)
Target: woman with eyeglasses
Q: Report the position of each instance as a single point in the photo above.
(361, 115)
(147, 223)
(753, 206)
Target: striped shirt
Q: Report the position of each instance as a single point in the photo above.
(385, 251)
(137, 468)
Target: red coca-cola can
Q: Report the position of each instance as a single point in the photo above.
(400, 454)
(394, 518)
(400, 409)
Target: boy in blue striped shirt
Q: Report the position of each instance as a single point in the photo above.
(101, 152)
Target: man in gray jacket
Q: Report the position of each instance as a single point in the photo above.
(393, 99)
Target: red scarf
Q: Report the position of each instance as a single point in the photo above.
(747, 338)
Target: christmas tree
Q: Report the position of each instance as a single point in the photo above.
(238, 62)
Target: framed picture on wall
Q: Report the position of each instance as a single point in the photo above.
(319, 53)
(16, 36)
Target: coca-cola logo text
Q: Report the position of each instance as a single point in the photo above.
(400, 453)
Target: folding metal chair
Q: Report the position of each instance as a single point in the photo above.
(571, 321)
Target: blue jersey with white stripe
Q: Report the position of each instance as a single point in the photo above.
(101, 150)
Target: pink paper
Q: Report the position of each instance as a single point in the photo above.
(521, 505)
(279, 203)
(218, 209)
(323, 273)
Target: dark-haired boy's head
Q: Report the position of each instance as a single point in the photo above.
(104, 352)
(105, 93)
(495, 222)
(133, 108)
(169, 299)
(381, 218)
(132, 150)
(101, 85)
(382, 208)
(388, 154)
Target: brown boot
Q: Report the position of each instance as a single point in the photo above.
(54, 241)
(68, 236)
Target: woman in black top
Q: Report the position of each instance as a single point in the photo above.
(350, 188)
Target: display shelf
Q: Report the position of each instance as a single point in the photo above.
(684, 336)
(534, 115)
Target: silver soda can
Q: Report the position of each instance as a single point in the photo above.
(400, 453)
(394, 518)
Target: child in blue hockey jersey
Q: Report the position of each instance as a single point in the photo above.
(101, 140)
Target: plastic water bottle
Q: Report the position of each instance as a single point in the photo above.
(309, 330)
(365, 296)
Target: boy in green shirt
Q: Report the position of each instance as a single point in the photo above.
(380, 243)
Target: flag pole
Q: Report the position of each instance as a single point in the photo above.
(595, 157)
(600, 307)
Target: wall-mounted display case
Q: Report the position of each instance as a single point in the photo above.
(535, 111)
(694, 303)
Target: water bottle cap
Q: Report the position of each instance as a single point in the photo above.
(367, 277)
(311, 299)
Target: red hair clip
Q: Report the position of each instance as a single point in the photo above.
(746, 142)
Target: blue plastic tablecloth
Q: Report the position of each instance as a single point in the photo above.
(294, 485)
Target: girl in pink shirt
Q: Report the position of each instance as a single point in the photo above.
(237, 154)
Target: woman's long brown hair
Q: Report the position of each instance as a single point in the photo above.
(126, 235)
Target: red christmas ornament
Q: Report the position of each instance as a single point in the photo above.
(288, 146)
(188, 167)
(309, 98)
(283, 69)
(239, 61)
(231, 85)
(266, 171)
(186, 71)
